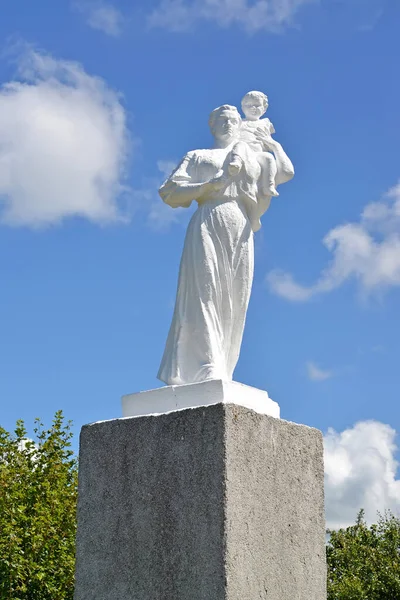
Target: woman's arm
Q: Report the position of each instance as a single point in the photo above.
(178, 190)
(181, 193)
(285, 167)
(283, 162)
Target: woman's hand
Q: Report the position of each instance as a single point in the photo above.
(266, 140)
(218, 182)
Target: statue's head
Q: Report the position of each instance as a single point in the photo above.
(225, 122)
(254, 105)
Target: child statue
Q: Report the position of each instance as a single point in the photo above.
(253, 131)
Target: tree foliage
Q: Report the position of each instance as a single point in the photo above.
(38, 493)
(364, 562)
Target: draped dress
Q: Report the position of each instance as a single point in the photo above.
(216, 269)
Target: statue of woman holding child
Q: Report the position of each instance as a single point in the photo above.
(233, 184)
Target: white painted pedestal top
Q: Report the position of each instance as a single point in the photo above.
(214, 391)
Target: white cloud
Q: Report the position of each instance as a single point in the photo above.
(28, 446)
(102, 16)
(25, 443)
(161, 216)
(360, 472)
(63, 145)
(257, 15)
(315, 373)
(252, 15)
(367, 251)
(166, 167)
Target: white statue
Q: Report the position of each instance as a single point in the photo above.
(216, 270)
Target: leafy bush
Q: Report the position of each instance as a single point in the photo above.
(38, 494)
(364, 562)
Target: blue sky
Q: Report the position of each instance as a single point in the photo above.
(98, 101)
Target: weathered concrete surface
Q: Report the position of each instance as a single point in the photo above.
(213, 503)
(275, 522)
(151, 508)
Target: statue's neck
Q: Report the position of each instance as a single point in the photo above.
(224, 143)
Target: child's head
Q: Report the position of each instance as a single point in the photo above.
(254, 105)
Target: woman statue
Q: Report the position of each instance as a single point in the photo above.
(216, 270)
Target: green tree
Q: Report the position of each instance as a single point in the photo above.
(364, 562)
(38, 494)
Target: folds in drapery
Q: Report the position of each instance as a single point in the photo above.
(244, 186)
(216, 270)
(214, 286)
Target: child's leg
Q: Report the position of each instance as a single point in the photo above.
(235, 158)
(268, 173)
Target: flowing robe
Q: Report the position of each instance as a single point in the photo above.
(216, 270)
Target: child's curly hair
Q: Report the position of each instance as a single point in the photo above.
(259, 95)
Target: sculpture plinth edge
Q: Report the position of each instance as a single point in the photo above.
(180, 397)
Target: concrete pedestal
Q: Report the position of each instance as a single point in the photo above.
(209, 503)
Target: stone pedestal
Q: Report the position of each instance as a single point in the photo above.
(217, 502)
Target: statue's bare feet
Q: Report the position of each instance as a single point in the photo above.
(272, 191)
